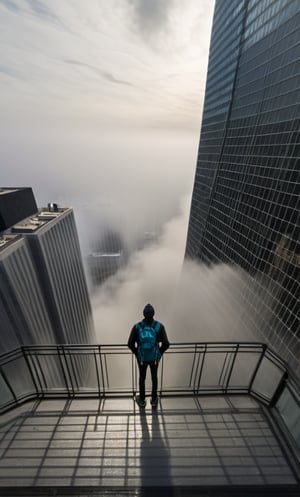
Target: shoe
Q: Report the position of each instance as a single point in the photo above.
(154, 402)
(141, 403)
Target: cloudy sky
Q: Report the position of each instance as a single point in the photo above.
(104, 63)
(100, 105)
(100, 97)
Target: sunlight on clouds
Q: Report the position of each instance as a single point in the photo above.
(151, 276)
(194, 301)
(99, 114)
(89, 62)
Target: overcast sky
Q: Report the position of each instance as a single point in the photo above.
(101, 105)
(104, 63)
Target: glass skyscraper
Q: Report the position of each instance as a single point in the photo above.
(245, 204)
(44, 297)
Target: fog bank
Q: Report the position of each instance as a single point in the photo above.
(195, 302)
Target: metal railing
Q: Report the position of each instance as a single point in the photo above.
(111, 370)
(186, 369)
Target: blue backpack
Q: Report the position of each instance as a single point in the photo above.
(148, 350)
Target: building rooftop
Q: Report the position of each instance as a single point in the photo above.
(7, 240)
(98, 255)
(4, 191)
(83, 434)
(214, 443)
(34, 223)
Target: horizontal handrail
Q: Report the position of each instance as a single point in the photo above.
(75, 370)
(187, 369)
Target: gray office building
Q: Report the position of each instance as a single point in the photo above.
(53, 243)
(245, 204)
(43, 292)
(23, 312)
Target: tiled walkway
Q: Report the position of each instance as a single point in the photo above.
(185, 442)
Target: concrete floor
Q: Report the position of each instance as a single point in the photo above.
(186, 442)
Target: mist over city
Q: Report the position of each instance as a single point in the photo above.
(107, 122)
(149, 247)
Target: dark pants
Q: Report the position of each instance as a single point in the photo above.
(143, 370)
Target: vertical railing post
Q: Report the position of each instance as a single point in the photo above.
(101, 366)
(223, 370)
(232, 366)
(201, 367)
(133, 375)
(6, 381)
(58, 348)
(24, 352)
(193, 366)
(106, 370)
(72, 367)
(68, 369)
(279, 389)
(262, 355)
(97, 373)
(39, 374)
(161, 374)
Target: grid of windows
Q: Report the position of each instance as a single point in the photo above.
(265, 17)
(24, 316)
(223, 54)
(107, 257)
(57, 250)
(245, 206)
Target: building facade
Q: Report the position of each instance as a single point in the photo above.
(43, 291)
(23, 312)
(53, 242)
(108, 256)
(245, 204)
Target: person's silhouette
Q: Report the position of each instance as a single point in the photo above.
(148, 341)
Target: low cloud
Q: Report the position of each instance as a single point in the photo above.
(79, 72)
(41, 10)
(152, 275)
(103, 74)
(38, 8)
(10, 5)
(8, 71)
(210, 304)
(195, 302)
(151, 17)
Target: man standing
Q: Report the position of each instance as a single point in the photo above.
(148, 341)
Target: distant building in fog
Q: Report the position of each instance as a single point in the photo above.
(103, 265)
(149, 238)
(245, 205)
(108, 256)
(43, 291)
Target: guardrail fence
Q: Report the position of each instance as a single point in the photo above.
(186, 369)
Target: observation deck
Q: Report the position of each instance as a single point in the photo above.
(227, 423)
